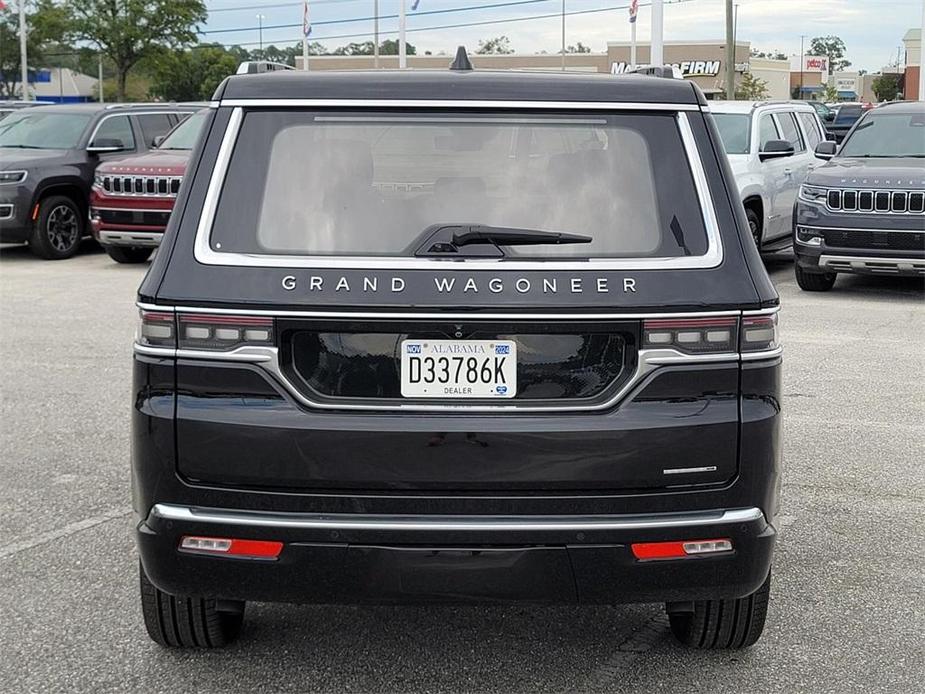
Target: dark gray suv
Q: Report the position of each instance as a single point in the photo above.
(48, 155)
(864, 211)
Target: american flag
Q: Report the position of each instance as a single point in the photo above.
(306, 23)
(634, 10)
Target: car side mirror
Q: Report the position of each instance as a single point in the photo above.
(158, 140)
(106, 144)
(826, 149)
(774, 149)
(829, 117)
(830, 136)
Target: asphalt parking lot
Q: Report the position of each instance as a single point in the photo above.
(849, 585)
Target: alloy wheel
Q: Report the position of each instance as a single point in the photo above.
(62, 228)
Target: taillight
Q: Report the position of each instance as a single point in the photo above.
(759, 333)
(223, 332)
(678, 549)
(712, 335)
(231, 547)
(695, 335)
(156, 329)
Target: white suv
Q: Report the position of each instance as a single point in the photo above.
(770, 147)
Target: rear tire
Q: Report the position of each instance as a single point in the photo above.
(723, 624)
(124, 254)
(58, 228)
(754, 225)
(181, 621)
(814, 281)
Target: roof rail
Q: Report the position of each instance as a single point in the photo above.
(669, 71)
(253, 67)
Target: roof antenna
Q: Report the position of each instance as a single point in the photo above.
(461, 61)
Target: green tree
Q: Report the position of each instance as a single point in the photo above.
(886, 87)
(829, 94)
(499, 45)
(752, 88)
(47, 24)
(129, 31)
(577, 48)
(190, 75)
(830, 46)
(771, 55)
(387, 47)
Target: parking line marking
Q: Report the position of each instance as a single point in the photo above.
(69, 529)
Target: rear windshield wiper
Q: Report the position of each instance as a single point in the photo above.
(448, 239)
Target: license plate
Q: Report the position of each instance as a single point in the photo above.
(458, 369)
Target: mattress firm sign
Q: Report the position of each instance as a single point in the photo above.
(688, 68)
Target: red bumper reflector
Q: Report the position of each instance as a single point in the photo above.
(231, 547)
(678, 549)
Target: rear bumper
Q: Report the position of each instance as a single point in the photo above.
(348, 558)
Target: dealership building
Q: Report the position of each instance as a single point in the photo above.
(703, 62)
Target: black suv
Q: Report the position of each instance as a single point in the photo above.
(48, 155)
(864, 211)
(452, 337)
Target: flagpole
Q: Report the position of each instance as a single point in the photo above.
(402, 59)
(306, 29)
(656, 52)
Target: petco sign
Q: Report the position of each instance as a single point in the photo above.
(811, 63)
(688, 68)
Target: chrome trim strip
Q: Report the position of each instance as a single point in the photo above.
(204, 254)
(267, 359)
(154, 111)
(766, 354)
(460, 104)
(688, 470)
(130, 209)
(313, 521)
(762, 311)
(850, 229)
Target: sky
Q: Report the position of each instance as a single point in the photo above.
(871, 29)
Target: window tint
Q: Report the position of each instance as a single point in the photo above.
(734, 131)
(789, 130)
(154, 124)
(116, 128)
(811, 128)
(371, 184)
(766, 131)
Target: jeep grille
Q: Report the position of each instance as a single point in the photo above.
(151, 186)
(876, 201)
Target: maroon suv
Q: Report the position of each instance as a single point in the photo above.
(131, 199)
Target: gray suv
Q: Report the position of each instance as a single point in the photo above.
(864, 211)
(48, 155)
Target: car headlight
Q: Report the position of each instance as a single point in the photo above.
(813, 193)
(12, 176)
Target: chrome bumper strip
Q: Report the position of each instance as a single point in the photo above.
(307, 521)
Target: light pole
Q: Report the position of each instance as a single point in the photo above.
(23, 58)
(656, 49)
(260, 19)
(376, 34)
(563, 35)
(802, 64)
(730, 53)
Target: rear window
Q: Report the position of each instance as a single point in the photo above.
(370, 184)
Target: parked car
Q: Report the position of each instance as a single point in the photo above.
(131, 199)
(864, 210)
(11, 106)
(770, 149)
(48, 155)
(456, 337)
(824, 111)
(845, 117)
